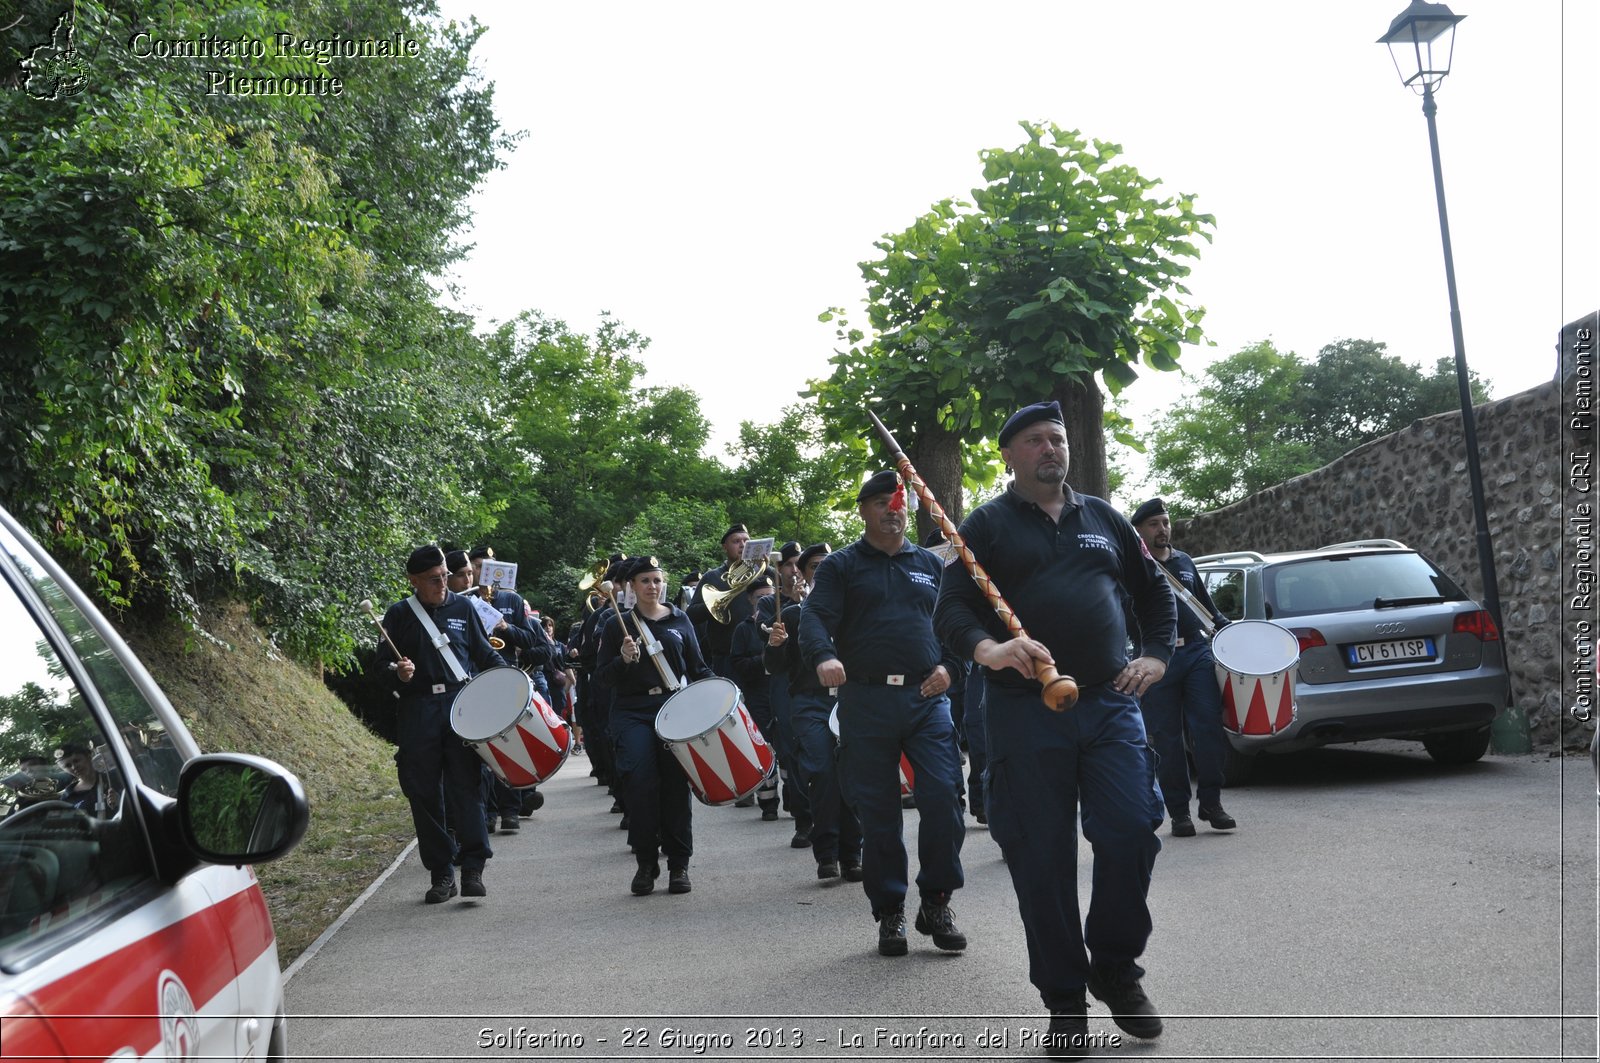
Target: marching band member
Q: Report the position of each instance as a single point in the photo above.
(1065, 561)
(867, 629)
(751, 675)
(655, 787)
(436, 768)
(835, 835)
(719, 637)
(796, 797)
(595, 700)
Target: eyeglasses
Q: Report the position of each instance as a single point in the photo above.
(433, 579)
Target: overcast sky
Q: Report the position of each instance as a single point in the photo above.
(711, 174)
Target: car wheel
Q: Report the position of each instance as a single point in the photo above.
(1237, 767)
(1457, 747)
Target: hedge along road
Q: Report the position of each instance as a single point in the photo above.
(1371, 904)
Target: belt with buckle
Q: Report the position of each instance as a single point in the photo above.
(884, 680)
(655, 690)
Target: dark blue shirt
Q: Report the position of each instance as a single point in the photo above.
(1182, 566)
(1066, 583)
(874, 612)
(786, 660)
(455, 618)
(639, 685)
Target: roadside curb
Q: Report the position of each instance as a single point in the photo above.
(344, 916)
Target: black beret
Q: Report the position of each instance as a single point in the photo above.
(640, 565)
(756, 584)
(424, 558)
(789, 549)
(481, 552)
(614, 558)
(820, 549)
(1150, 509)
(879, 483)
(1039, 411)
(617, 570)
(735, 530)
(454, 560)
(693, 577)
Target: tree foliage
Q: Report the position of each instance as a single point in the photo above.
(1065, 269)
(225, 359)
(1262, 416)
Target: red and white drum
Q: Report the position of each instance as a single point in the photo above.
(908, 778)
(714, 737)
(513, 729)
(1255, 662)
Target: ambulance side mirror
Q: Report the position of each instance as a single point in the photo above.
(239, 809)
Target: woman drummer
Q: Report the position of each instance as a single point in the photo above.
(655, 790)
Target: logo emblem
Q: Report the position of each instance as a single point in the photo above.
(180, 1026)
(54, 70)
(1388, 629)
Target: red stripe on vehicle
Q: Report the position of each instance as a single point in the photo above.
(112, 1002)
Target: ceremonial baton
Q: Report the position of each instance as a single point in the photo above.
(1060, 691)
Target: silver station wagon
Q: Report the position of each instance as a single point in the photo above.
(1389, 647)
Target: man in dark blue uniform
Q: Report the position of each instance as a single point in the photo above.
(526, 647)
(718, 645)
(435, 767)
(1187, 700)
(750, 673)
(867, 630)
(796, 797)
(834, 834)
(1064, 561)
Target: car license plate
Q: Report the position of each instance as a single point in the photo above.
(1363, 653)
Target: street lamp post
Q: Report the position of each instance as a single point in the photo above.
(1421, 40)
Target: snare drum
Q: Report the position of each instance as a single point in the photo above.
(511, 727)
(908, 778)
(709, 730)
(1255, 662)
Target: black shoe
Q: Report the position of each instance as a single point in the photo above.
(892, 933)
(1130, 1008)
(745, 802)
(510, 823)
(623, 824)
(616, 807)
(1218, 819)
(1182, 827)
(678, 880)
(533, 801)
(644, 880)
(472, 882)
(443, 888)
(828, 869)
(1068, 1033)
(934, 918)
(770, 814)
(488, 825)
(852, 872)
(980, 815)
(801, 839)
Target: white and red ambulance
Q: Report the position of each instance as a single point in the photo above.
(131, 922)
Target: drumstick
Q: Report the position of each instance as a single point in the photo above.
(1208, 625)
(1060, 691)
(366, 607)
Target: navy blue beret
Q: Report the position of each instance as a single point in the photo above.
(879, 483)
(424, 559)
(1039, 411)
(819, 550)
(1152, 508)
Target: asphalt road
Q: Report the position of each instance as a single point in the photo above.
(1371, 905)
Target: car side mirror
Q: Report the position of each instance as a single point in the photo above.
(234, 808)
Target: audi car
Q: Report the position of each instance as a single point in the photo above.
(131, 922)
(1389, 647)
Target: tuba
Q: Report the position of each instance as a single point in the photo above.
(740, 575)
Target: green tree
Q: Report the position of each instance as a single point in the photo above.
(1235, 434)
(1064, 270)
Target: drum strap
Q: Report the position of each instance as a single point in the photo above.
(440, 641)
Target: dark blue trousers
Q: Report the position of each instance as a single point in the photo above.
(654, 789)
(796, 792)
(973, 730)
(437, 769)
(877, 723)
(1187, 700)
(1045, 768)
(835, 832)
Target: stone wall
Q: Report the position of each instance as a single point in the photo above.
(1413, 486)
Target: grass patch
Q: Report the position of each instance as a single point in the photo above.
(238, 694)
